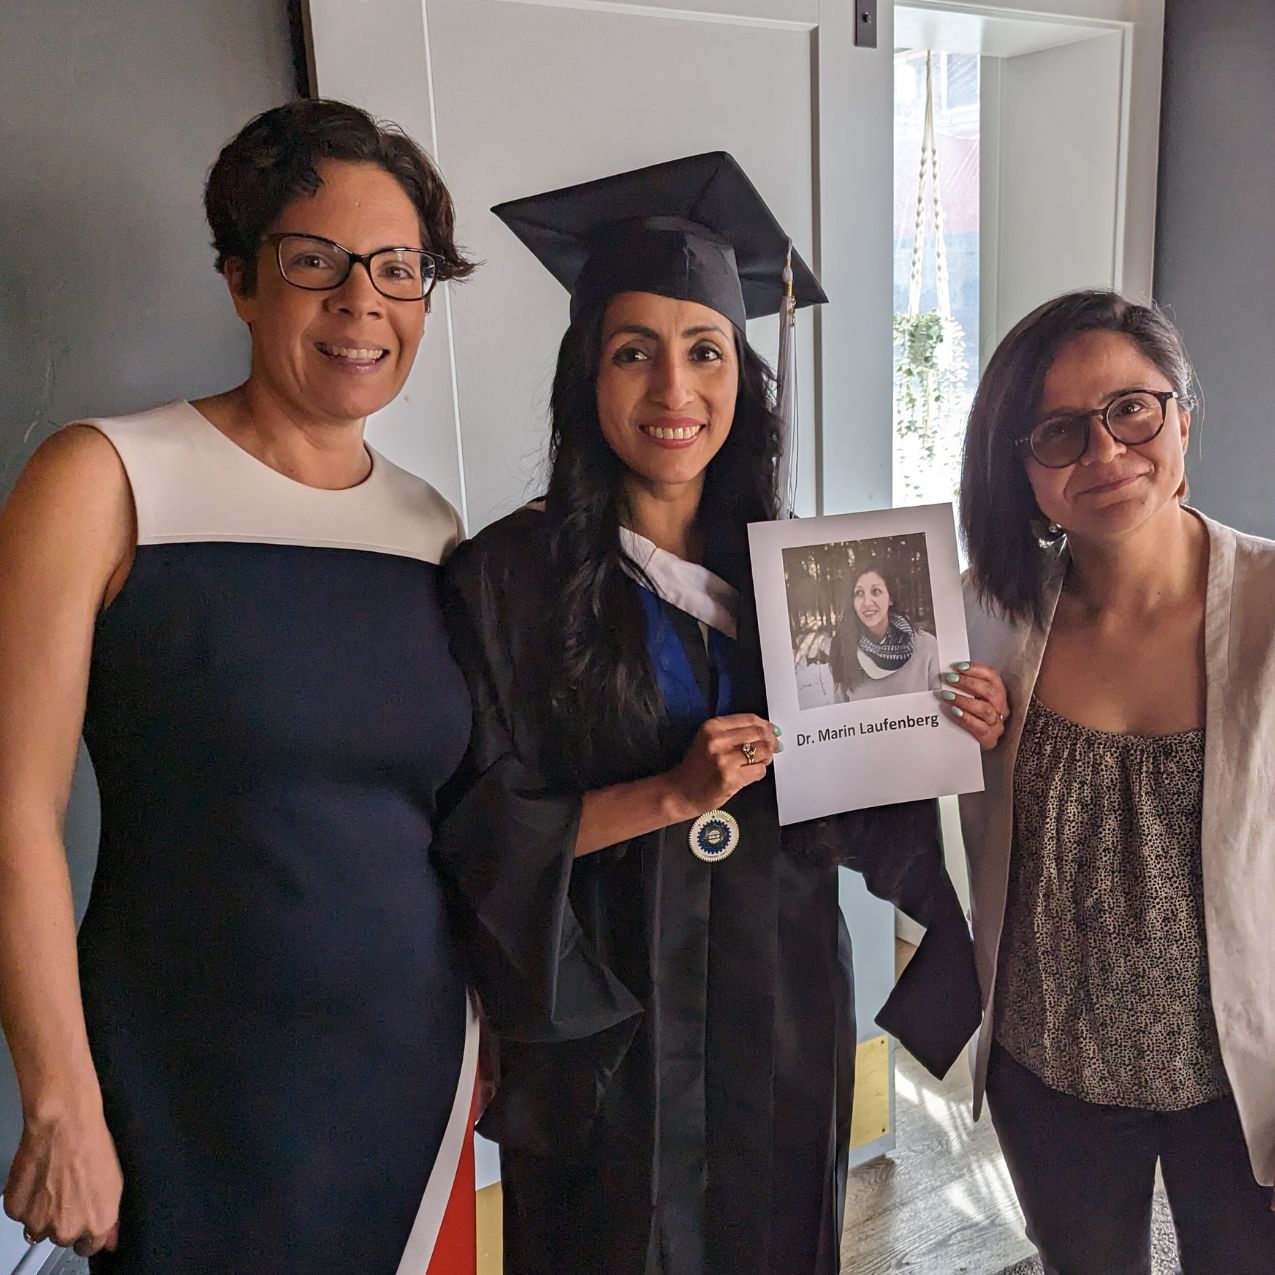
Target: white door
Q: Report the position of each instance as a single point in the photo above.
(518, 96)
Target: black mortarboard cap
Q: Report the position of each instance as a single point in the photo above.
(694, 229)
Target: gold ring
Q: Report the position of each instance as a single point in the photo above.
(750, 753)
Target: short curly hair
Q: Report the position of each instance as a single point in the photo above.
(274, 158)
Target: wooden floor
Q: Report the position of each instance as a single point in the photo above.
(940, 1203)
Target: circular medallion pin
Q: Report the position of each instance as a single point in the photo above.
(714, 836)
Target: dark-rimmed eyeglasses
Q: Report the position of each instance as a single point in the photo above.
(319, 265)
(1132, 418)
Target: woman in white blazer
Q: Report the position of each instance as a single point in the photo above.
(1122, 855)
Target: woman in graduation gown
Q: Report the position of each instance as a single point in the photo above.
(665, 970)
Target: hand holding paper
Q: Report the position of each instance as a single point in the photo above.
(976, 699)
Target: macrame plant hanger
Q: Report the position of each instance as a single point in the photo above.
(930, 165)
(933, 354)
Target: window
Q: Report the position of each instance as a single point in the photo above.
(936, 274)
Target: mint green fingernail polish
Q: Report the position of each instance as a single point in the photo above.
(779, 747)
(963, 666)
(778, 731)
(949, 695)
(952, 677)
(956, 712)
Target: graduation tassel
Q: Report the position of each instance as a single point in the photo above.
(786, 396)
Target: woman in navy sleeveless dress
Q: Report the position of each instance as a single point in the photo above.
(277, 1016)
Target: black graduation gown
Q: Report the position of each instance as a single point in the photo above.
(676, 1039)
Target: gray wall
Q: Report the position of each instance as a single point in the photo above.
(1215, 253)
(110, 113)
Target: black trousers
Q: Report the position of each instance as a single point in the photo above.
(1084, 1174)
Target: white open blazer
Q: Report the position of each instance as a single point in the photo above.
(1237, 833)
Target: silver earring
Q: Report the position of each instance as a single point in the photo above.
(1055, 529)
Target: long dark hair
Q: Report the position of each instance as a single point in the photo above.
(843, 654)
(1011, 549)
(604, 703)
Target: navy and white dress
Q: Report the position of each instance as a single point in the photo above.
(276, 1009)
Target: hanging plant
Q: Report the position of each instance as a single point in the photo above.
(930, 371)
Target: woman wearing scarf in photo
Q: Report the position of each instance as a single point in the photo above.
(666, 970)
(877, 650)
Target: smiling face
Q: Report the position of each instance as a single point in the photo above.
(668, 378)
(1114, 489)
(872, 603)
(336, 356)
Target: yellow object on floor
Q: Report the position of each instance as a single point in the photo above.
(491, 1231)
(870, 1117)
